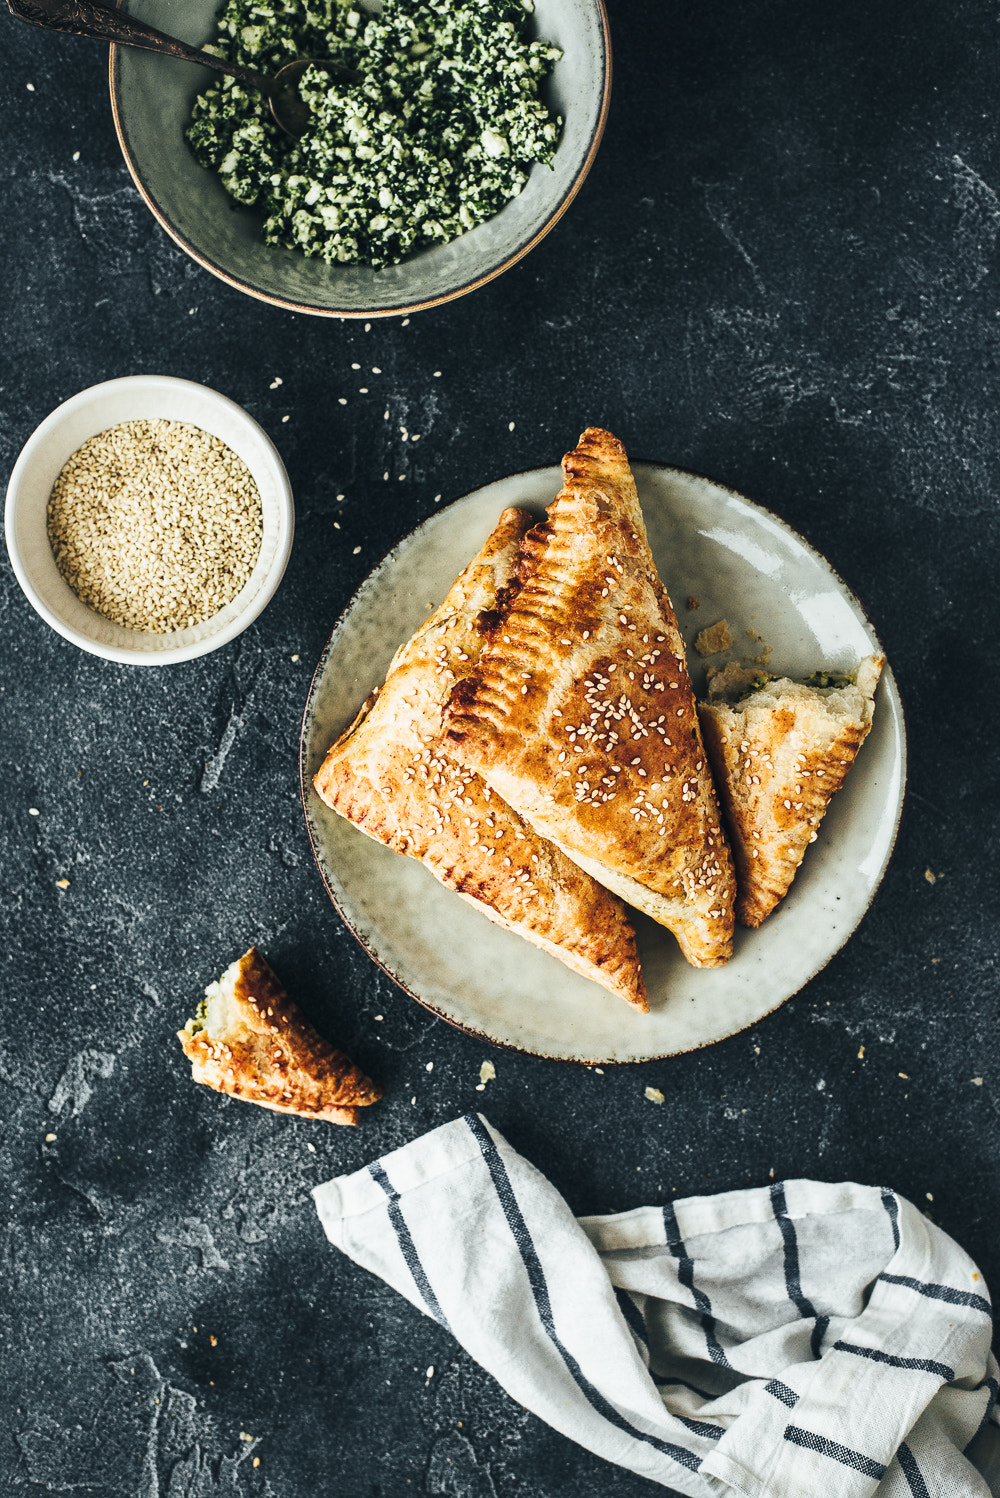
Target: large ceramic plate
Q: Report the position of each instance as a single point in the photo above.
(741, 563)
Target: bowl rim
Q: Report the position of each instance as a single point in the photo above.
(404, 309)
(122, 654)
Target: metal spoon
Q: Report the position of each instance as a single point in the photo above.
(91, 18)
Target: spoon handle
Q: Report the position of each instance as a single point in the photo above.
(91, 18)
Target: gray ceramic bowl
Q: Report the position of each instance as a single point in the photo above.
(152, 97)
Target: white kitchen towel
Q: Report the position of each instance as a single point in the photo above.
(794, 1340)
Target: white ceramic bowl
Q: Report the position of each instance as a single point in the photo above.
(151, 97)
(138, 398)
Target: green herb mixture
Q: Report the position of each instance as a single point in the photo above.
(439, 134)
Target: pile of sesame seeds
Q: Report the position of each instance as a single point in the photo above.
(155, 525)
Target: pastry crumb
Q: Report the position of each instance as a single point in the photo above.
(976, 1082)
(487, 1073)
(654, 1095)
(62, 884)
(713, 639)
(693, 603)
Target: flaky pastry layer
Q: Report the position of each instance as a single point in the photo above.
(249, 1040)
(581, 715)
(779, 755)
(390, 777)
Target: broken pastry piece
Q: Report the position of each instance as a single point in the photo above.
(581, 715)
(388, 775)
(249, 1040)
(779, 750)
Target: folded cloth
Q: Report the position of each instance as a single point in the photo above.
(792, 1340)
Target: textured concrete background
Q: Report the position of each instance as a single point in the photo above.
(781, 273)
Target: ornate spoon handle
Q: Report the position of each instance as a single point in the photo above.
(91, 18)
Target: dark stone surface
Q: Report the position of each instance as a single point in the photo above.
(782, 273)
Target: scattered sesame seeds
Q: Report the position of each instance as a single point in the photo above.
(357, 551)
(277, 379)
(155, 525)
(341, 400)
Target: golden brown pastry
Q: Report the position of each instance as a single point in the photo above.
(779, 750)
(251, 1041)
(388, 775)
(581, 715)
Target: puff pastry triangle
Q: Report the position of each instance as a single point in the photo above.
(581, 715)
(388, 775)
(779, 752)
(249, 1040)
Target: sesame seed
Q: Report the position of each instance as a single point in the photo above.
(155, 525)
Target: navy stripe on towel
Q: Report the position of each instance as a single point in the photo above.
(918, 1365)
(910, 1470)
(686, 1276)
(701, 1427)
(940, 1292)
(662, 1381)
(781, 1391)
(793, 1283)
(891, 1205)
(540, 1292)
(833, 1449)
(818, 1333)
(633, 1317)
(406, 1243)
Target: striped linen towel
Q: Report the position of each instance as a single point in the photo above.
(795, 1339)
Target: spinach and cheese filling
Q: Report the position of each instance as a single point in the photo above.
(438, 135)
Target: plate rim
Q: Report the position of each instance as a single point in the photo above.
(509, 1046)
